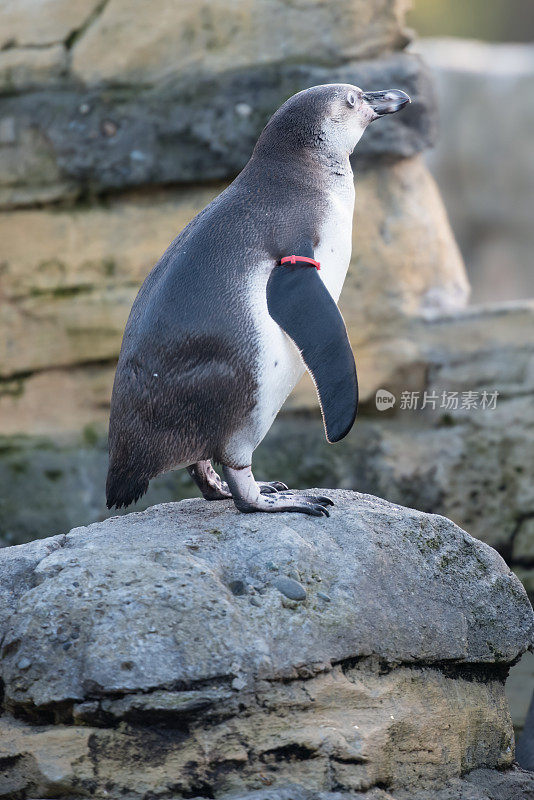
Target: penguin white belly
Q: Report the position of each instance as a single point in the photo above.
(280, 365)
(335, 239)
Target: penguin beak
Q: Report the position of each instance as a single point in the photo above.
(386, 102)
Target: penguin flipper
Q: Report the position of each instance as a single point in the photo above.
(301, 304)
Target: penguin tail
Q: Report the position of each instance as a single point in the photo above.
(123, 488)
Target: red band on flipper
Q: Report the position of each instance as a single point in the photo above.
(299, 259)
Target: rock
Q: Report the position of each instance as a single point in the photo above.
(18, 568)
(68, 289)
(489, 208)
(34, 23)
(146, 668)
(290, 588)
(472, 464)
(481, 784)
(105, 140)
(526, 576)
(26, 151)
(132, 45)
(67, 401)
(29, 68)
(238, 587)
(83, 570)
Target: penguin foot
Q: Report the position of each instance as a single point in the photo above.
(271, 487)
(209, 483)
(248, 497)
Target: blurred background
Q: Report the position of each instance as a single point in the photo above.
(486, 20)
(119, 121)
(483, 156)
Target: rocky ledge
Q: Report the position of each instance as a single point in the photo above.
(190, 651)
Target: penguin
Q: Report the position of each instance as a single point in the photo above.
(242, 302)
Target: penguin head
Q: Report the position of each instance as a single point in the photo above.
(350, 111)
(331, 117)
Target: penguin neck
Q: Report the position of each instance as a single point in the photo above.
(315, 165)
(334, 164)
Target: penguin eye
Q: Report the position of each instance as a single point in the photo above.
(351, 99)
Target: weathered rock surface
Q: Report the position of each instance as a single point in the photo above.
(519, 688)
(37, 23)
(156, 652)
(117, 42)
(101, 141)
(132, 43)
(29, 67)
(65, 475)
(99, 97)
(190, 553)
(70, 286)
(481, 784)
(405, 262)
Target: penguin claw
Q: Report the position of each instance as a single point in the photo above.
(279, 486)
(323, 501)
(285, 502)
(319, 510)
(208, 481)
(271, 487)
(313, 509)
(311, 498)
(218, 491)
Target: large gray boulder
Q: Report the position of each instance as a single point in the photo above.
(194, 650)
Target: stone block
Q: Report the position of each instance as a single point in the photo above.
(135, 43)
(109, 139)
